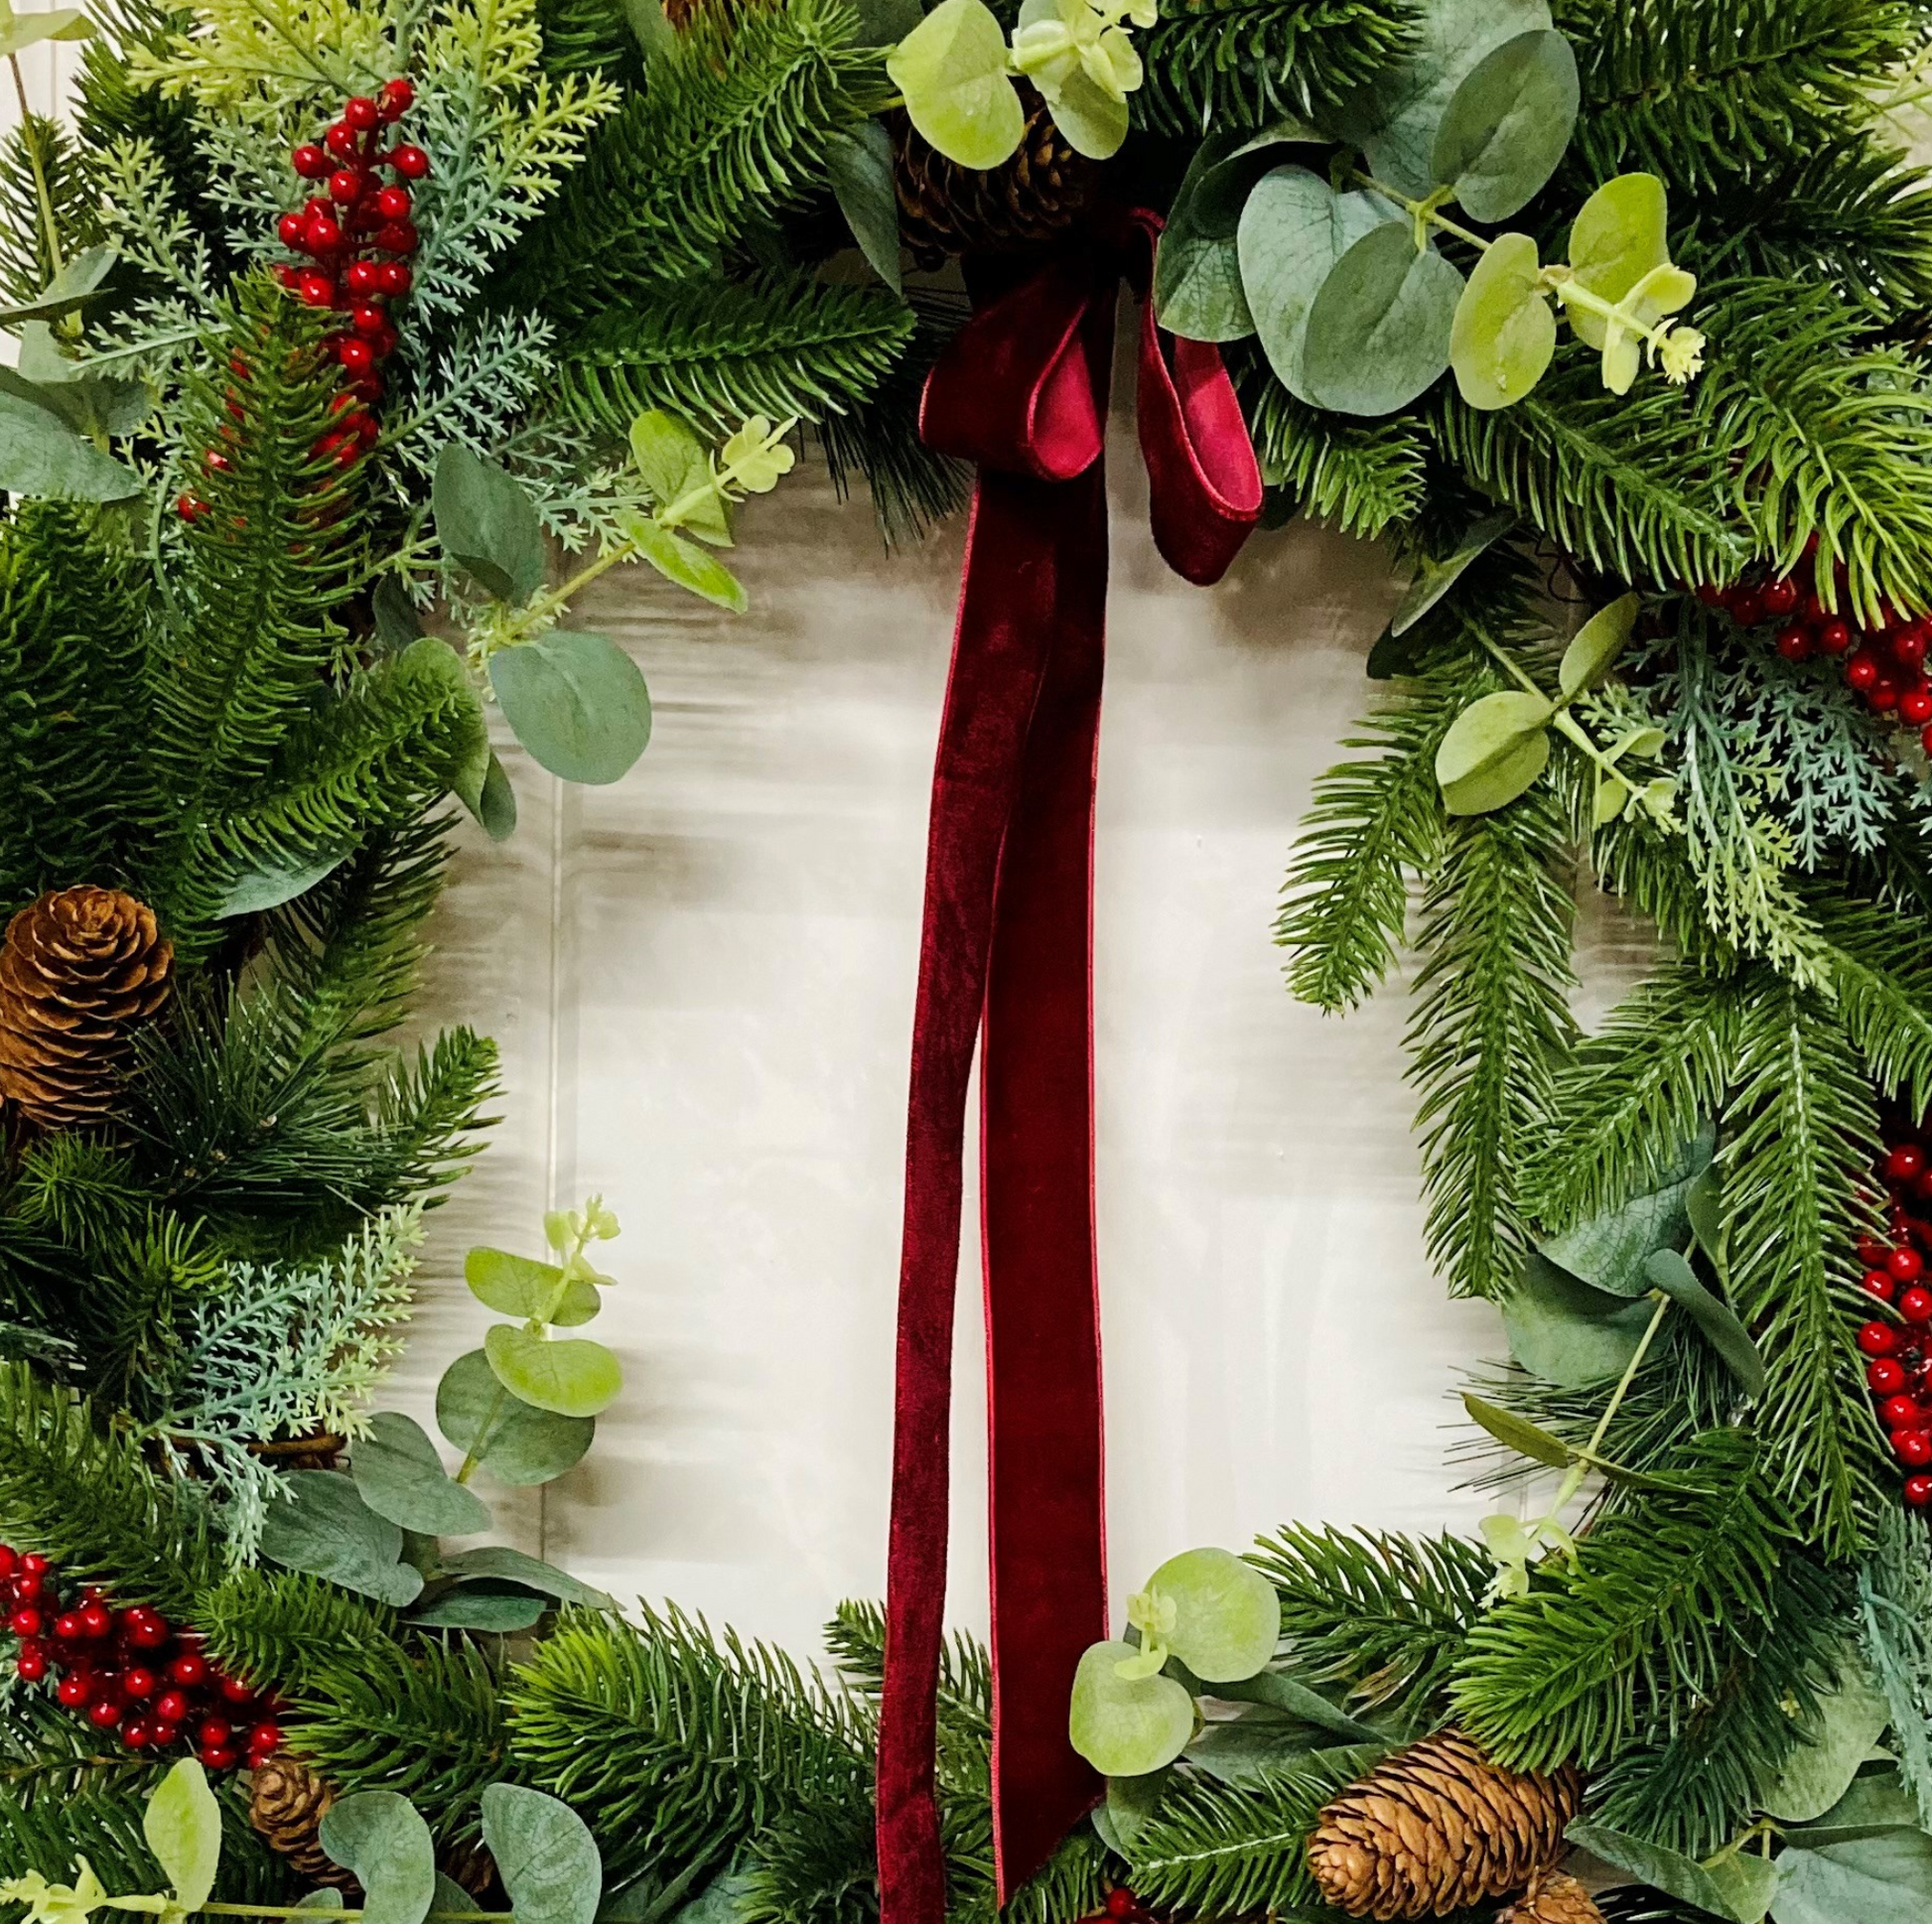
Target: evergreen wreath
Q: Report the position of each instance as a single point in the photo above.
(337, 318)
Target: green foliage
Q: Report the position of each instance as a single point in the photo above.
(25, 266)
(718, 351)
(1895, 1619)
(49, 1756)
(80, 1495)
(284, 1630)
(675, 1747)
(427, 1723)
(1381, 1613)
(1245, 63)
(1882, 982)
(728, 128)
(1491, 1017)
(590, 37)
(1363, 476)
(73, 697)
(1800, 1136)
(1703, 1784)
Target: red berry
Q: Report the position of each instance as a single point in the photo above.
(1912, 1446)
(1886, 1376)
(395, 98)
(292, 231)
(1883, 694)
(219, 1757)
(1915, 705)
(364, 278)
(105, 1711)
(96, 1619)
(1794, 642)
(309, 161)
(1862, 671)
(1905, 1161)
(171, 1706)
(66, 1627)
(1778, 598)
(1908, 644)
(357, 356)
(1905, 1262)
(368, 387)
(360, 112)
(190, 1668)
(1898, 1413)
(1877, 1339)
(9, 1560)
(30, 1665)
(345, 185)
(1833, 637)
(1878, 1283)
(214, 1731)
(1746, 609)
(263, 1738)
(368, 320)
(318, 291)
(1709, 594)
(190, 507)
(148, 1629)
(341, 142)
(394, 202)
(396, 277)
(33, 1564)
(25, 1621)
(1918, 1491)
(397, 237)
(385, 342)
(1915, 1306)
(137, 1733)
(139, 1681)
(75, 1689)
(410, 162)
(236, 1692)
(1121, 1902)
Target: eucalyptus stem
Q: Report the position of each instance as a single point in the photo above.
(27, 141)
(335, 1916)
(1563, 721)
(1419, 210)
(1629, 1375)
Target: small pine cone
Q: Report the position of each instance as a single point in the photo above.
(79, 970)
(1557, 1901)
(1438, 1828)
(1034, 193)
(468, 1863)
(287, 1802)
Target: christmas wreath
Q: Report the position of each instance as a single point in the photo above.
(356, 337)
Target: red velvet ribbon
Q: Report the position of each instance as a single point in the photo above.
(1006, 953)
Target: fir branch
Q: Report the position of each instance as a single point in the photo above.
(1384, 1614)
(1627, 1640)
(1881, 978)
(83, 1496)
(1799, 1138)
(718, 351)
(590, 37)
(283, 1630)
(1490, 1018)
(48, 1756)
(25, 264)
(1363, 476)
(674, 1746)
(1894, 1614)
(1245, 63)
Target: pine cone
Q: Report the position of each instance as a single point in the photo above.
(1557, 1901)
(1034, 193)
(1438, 1828)
(79, 969)
(468, 1863)
(287, 1802)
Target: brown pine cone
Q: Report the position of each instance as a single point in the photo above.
(470, 1865)
(946, 209)
(79, 970)
(287, 1802)
(1436, 1828)
(1557, 1901)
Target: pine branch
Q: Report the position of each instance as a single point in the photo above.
(25, 264)
(282, 1630)
(1631, 1637)
(1625, 1098)
(1245, 63)
(1881, 979)
(720, 350)
(1895, 1633)
(674, 1746)
(84, 1497)
(1385, 1614)
(1491, 1017)
(1223, 1850)
(590, 37)
(731, 125)
(1800, 1138)
(1363, 476)
(48, 1756)
(1696, 1791)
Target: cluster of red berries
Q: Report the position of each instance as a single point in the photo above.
(1886, 662)
(129, 1670)
(1896, 1272)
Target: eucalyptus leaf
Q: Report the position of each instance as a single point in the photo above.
(649, 28)
(42, 456)
(727, 1899)
(1378, 334)
(78, 280)
(573, 1378)
(1568, 1334)
(496, 1563)
(577, 702)
(1498, 782)
(1198, 289)
(487, 524)
(951, 70)
(1090, 120)
(379, 1835)
(1278, 1691)
(270, 881)
(19, 31)
(182, 1828)
(1505, 330)
(1819, 1774)
(859, 166)
(397, 623)
(400, 1476)
(1132, 1801)
(1618, 236)
(473, 1607)
(1126, 1726)
(322, 1526)
(1492, 736)
(1517, 1433)
(1610, 1250)
(1748, 1883)
(1595, 647)
(685, 563)
(520, 1445)
(496, 805)
(1508, 123)
(1652, 1863)
(1704, 1205)
(545, 1854)
(430, 659)
(1435, 579)
(1881, 1880)
(1875, 1801)
(1248, 1749)
(1227, 1616)
(1670, 1273)
(1292, 229)
(519, 1286)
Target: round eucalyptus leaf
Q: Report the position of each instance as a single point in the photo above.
(1126, 1726)
(1508, 124)
(1090, 120)
(519, 1286)
(379, 1835)
(577, 702)
(1618, 236)
(321, 1525)
(1882, 1879)
(499, 1564)
(502, 1612)
(1292, 229)
(573, 1378)
(1378, 334)
(1568, 1334)
(1227, 1617)
(545, 1854)
(401, 1477)
(1819, 1772)
(519, 1446)
(952, 70)
(1506, 329)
